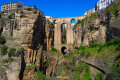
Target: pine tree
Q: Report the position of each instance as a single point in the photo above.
(35, 7)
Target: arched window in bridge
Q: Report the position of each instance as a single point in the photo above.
(55, 22)
(73, 21)
(64, 34)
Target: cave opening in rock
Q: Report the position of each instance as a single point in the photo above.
(64, 50)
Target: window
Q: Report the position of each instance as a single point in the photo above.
(73, 21)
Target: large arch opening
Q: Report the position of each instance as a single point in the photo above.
(64, 34)
(64, 50)
(73, 21)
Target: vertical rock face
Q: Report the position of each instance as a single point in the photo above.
(49, 29)
(97, 29)
(91, 31)
(25, 30)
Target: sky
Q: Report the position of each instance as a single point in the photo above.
(58, 8)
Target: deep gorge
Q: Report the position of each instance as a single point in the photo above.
(32, 48)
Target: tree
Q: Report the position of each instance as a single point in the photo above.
(35, 7)
(29, 6)
(11, 52)
(4, 50)
(2, 40)
(96, 7)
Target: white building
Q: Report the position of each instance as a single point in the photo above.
(103, 4)
(93, 10)
(9, 6)
(48, 17)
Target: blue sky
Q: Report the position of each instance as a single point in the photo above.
(58, 8)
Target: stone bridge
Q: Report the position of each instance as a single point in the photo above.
(63, 32)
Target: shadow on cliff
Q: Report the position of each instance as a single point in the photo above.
(23, 65)
(112, 31)
(39, 33)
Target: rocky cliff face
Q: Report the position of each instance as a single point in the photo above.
(27, 30)
(97, 28)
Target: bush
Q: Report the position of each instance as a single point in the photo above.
(93, 45)
(35, 7)
(21, 12)
(7, 60)
(4, 50)
(32, 66)
(19, 51)
(39, 76)
(81, 47)
(54, 49)
(2, 40)
(11, 52)
(83, 53)
(112, 9)
(99, 76)
(29, 9)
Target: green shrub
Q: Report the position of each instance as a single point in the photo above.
(54, 49)
(82, 53)
(21, 12)
(112, 9)
(32, 66)
(19, 51)
(39, 76)
(93, 45)
(11, 52)
(7, 60)
(29, 9)
(81, 47)
(99, 76)
(35, 7)
(87, 75)
(4, 50)
(71, 56)
(2, 40)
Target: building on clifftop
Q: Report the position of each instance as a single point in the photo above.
(11, 6)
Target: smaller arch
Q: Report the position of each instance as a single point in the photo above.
(55, 21)
(64, 50)
(73, 21)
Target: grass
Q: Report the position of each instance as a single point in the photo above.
(53, 49)
(71, 56)
(39, 76)
(99, 76)
(110, 48)
(82, 69)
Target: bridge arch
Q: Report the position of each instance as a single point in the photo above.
(63, 33)
(64, 50)
(73, 21)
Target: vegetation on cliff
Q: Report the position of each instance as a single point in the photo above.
(95, 48)
(111, 48)
(113, 9)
